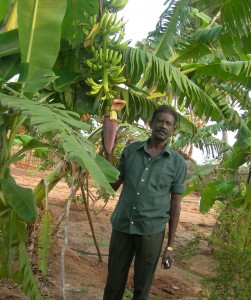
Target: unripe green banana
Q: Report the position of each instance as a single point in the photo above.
(114, 57)
(103, 20)
(110, 20)
(106, 18)
(93, 19)
(111, 53)
(105, 80)
(119, 4)
(122, 46)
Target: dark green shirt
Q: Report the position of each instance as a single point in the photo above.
(144, 203)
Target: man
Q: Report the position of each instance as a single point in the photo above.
(153, 178)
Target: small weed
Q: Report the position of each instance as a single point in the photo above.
(190, 248)
(128, 295)
(80, 292)
(31, 172)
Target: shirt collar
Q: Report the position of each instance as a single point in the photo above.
(143, 145)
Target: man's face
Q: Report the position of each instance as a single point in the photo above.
(162, 126)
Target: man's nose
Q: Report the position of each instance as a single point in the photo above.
(164, 125)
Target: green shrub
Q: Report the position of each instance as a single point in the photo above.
(232, 251)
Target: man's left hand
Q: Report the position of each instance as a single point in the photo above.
(167, 259)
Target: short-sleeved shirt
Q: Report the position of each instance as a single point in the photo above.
(144, 203)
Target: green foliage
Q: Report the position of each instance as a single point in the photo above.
(235, 17)
(206, 74)
(25, 276)
(8, 241)
(190, 248)
(203, 138)
(99, 169)
(46, 117)
(4, 5)
(14, 261)
(159, 73)
(170, 22)
(215, 190)
(32, 43)
(21, 199)
(231, 279)
(44, 241)
(137, 106)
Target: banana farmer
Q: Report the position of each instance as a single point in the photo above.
(153, 178)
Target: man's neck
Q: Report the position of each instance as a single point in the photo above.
(155, 147)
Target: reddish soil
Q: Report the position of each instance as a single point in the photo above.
(85, 276)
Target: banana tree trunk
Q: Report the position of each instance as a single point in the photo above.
(53, 178)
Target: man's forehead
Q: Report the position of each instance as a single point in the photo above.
(165, 116)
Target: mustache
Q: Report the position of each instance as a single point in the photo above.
(162, 131)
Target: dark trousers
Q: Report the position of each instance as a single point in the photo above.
(123, 247)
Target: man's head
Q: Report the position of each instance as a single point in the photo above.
(163, 123)
(166, 109)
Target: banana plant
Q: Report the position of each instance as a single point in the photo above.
(24, 103)
(87, 64)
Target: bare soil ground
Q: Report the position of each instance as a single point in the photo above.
(85, 275)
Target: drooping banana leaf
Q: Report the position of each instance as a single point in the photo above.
(137, 107)
(28, 143)
(4, 5)
(39, 25)
(44, 241)
(24, 276)
(197, 45)
(160, 73)
(235, 17)
(9, 43)
(21, 199)
(53, 118)
(71, 26)
(47, 117)
(9, 66)
(171, 21)
(8, 239)
(102, 172)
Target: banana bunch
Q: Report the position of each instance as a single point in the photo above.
(104, 59)
(100, 90)
(105, 42)
(115, 5)
(112, 57)
(96, 88)
(116, 42)
(109, 23)
(115, 77)
(89, 22)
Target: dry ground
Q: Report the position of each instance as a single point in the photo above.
(85, 275)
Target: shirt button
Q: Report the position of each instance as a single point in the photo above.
(142, 179)
(134, 207)
(147, 169)
(138, 193)
(132, 222)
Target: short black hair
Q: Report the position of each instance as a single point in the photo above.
(166, 109)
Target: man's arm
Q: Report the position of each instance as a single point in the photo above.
(174, 217)
(173, 223)
(115, 185)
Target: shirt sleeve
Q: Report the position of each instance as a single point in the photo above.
(178, 186)
(121, 164)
